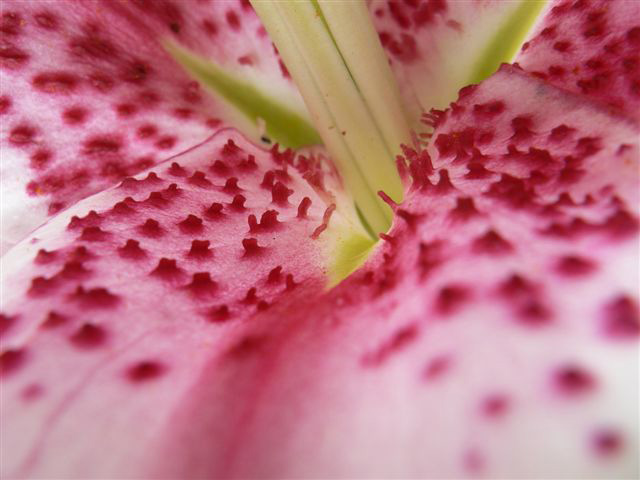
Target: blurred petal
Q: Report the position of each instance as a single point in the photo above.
(89, 93)
(590, 48)
(437, 47)
(494, 335)
(112, 310)
(495, 332)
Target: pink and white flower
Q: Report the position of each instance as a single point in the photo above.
(178, 299)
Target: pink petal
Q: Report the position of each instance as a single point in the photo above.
(436, 47)
(89, 95)
(116, 307)
(494, 333)
(480, 341)
(590, 48)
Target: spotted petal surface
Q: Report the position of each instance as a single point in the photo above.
(590, 47)
(130, 294)
(436, 47)
(493, 333)
(89, 94)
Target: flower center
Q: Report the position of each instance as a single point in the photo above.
(334, 55)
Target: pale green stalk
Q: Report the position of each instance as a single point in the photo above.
(343, 75)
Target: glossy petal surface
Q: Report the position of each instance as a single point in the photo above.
(90, 95)
(495, 331)
(482, 340)
(590, 47)
(127, 297)
(437, 47)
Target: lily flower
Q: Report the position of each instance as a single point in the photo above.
(319, 239)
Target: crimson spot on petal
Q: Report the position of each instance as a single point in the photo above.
(489, 109)
(166, 142)
(144, 371)
(573, 380)
(303, 207)
(41, 286)
(280, 193)
(191, 225)
(73, 270)
(75, 115)
(94, 234)
(131, 250)
(101, 145)
(123, 207)
(200, 250)
(22, 135)
(168, 270)
(251, 247)
(450, 298)
(54, 320)
(176, 170)
(231, 185)
(621, 318)
(534, 313)
(495, 405)
(126, 110)
(247, 346)
(98, 298)
(214, 211)
(47, 20)
(56, 82)
(6, 323)
(607, 442)
(560, 132)
(436, 367)
(151, 228)
(199, 179)
(11, 23)
(290, 284)
(202, 284)
(233, 20)
(464, 209)
(575, 266)
(218, 314)
(5, 104)
(398, 341)
(219, 168)
(11, 360)
(275, 275)
(88, 336)
(43, 257)
(12, 57)
(32, 392)
(492, 243)
(136, 72)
